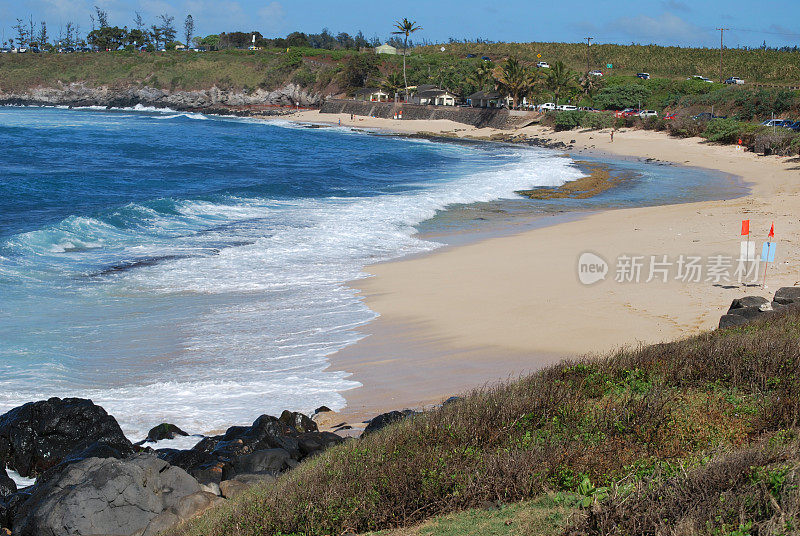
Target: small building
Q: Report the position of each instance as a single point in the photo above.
(489, 99)
(432, 95)
(385, 48)
(372, 94)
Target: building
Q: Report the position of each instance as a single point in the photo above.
(385, 48)
(432, 95)
(489, 99)
(372, 94)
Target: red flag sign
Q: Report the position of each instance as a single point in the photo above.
(745, 227)
(772, 230)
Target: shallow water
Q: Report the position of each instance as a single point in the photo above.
(176, 267)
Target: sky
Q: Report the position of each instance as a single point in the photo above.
(663, 22)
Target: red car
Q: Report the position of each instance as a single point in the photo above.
(669, 117)
(628, 112)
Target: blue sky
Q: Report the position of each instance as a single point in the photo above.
(669, 22)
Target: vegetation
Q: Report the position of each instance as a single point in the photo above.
(405, 28)
(696, 435)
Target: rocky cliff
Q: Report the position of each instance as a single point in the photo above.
(208, 100)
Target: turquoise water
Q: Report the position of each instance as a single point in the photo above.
(176, 267)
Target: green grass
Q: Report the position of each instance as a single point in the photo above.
(641, 430)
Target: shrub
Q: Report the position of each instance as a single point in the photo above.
(621, 97)
(598, 121)
(731, 131)
(781, 142)
(568, 120)
(685, 127)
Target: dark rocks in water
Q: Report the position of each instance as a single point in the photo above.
(164, 431)
(7, 484)
(40, 435)
(322, 409)
(104, 496)
(270, 444)
(385, 419)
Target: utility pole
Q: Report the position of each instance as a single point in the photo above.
(588, 44)
(721, 34)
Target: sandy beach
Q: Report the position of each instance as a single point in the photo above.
(467, 315)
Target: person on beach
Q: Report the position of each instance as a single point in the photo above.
(612, 135)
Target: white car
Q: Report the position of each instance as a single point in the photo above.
(543, 65)
(648, 113)
(596, 73)
(734, 80)
(566, 108)
(547, 106)
(698, 77)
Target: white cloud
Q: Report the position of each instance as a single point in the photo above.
(665, 29)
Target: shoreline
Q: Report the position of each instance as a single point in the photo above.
(527, 314)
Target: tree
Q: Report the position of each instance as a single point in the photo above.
(188, 29)
(22, 32)
(297, 39)
(42, 37)
(405, 28)
(590, 86)
(168, 31)
(560, 78)
(357, 69)
(139, 22)
(102, 17)
(483, 76)
(514, 79)
(392, 83)
(360, 41)
(156, 35)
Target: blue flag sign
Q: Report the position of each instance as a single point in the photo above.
(609, 65)
(768, 252)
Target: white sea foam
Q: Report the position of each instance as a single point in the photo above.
(237, 303)
(20, 481)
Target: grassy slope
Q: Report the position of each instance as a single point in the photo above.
(671, 62)
(697, 432)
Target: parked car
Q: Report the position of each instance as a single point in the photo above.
(5, 50)
(596, 73)
(648, 113)
(669, 117)
(702, 78)
(707, 116)
(547, 106)
(734, 80)
(773, 123)
(486, 58)
(566, 108)
(471, 56)
(643, 76)
(542, 65)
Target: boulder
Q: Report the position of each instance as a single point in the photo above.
(728, 321)
(39, 435)
(7, 485)
(270, 461)
(186, 508)
(104, 496)
(787, 295)
(746, 302)
(298, 421)
(232, 488)
(385, 419)
(164, 431)
(312, 443)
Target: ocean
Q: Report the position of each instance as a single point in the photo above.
(175, 267)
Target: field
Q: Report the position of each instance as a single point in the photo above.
(692, 437)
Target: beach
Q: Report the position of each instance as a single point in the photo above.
(473, 314)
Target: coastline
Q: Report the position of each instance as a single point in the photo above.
(526, 308)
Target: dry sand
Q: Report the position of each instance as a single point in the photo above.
(463, 316)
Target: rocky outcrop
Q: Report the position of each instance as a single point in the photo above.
(7, 485)
(164, 431)
(385, 419)
(748, 308)
(271, 445)
(212, 100)
(39, 435)
(104, 496)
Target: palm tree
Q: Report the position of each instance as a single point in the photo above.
(392, 83)
(591, 85)
(559, 78)
(482, 76)
(406, 28)
(514, 79)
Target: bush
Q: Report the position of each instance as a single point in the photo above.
(568, 120)
(686, 127)
(731, 131)
(782, 142)
(598, 121)
(621, 97)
